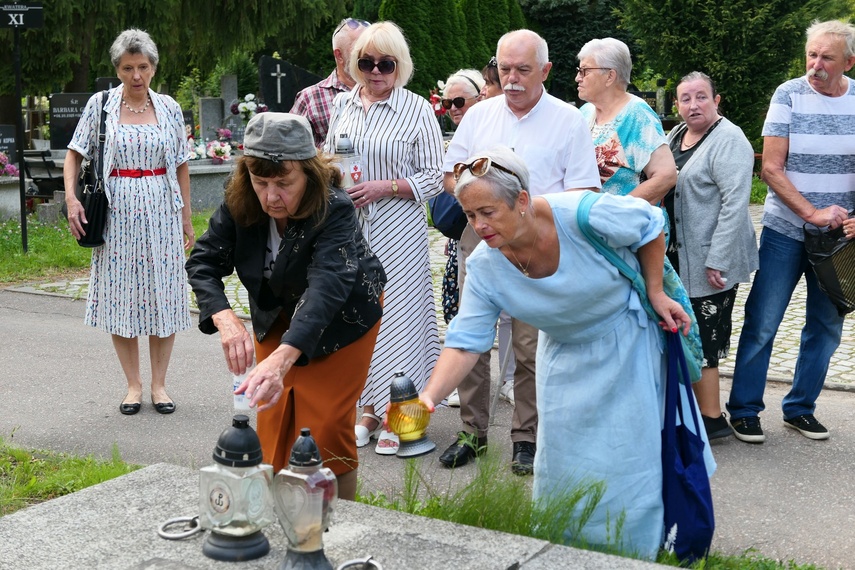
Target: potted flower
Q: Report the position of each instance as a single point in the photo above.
(248, 108)
(197, 150)
(7, 169)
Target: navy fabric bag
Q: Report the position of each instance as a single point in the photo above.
(447, 215)
(689, 518)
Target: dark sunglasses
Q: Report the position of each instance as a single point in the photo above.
(458, 102)
(479, 168)
(352, 24)
(384, 66)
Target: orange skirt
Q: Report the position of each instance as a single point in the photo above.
(321, 396)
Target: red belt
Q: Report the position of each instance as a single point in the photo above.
(137, 172)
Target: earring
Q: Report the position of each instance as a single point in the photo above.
(522, 213)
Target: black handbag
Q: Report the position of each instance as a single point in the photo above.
(832, 256)
(90, 190)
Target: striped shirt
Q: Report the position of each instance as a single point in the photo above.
(821, 156)
(314, 103)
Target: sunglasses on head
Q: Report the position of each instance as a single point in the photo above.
(457, 102)
(384, 66)
(352, 24)
(493, 62)
(479, 168)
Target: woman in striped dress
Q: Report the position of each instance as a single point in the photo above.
(137, 284)
(399, 140)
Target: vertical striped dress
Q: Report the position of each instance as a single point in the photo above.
(137, 283)
(397, 138)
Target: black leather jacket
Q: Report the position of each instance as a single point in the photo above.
(325, 277)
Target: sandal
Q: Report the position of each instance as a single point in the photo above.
(363, 434)
(387, 443)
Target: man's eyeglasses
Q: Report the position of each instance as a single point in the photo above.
(458, 102)
(479, 168)
(584, 71)
(384, 66)
(352, 24)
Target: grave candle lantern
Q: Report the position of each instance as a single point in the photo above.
(408, 418)
(234, 496)
(304, 495)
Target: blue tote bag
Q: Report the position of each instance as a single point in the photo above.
(689, 518)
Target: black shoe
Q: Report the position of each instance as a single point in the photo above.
(466, 447)
(808, 426)
(523, 461)
(129, 409)
(748, 429)
(716, 427)
(164, 407)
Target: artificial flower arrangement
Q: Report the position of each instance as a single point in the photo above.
(248, 108)
(196, 150)
(436, 99)
(6, 166)
(219, 151)
(224, 135)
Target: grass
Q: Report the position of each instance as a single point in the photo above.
(758, 191)
(497, 500)
(51, 250)
(31, 477)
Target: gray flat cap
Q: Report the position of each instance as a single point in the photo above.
(278, 137)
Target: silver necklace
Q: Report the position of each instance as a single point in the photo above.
(132, 110)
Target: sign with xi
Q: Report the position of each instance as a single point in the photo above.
(22, 15)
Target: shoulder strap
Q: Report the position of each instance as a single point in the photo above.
(635, 278)
(99, 174)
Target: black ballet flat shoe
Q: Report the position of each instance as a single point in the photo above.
(129, 409)
(164, 407)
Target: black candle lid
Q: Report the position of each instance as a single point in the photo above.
(305, 452)
(238, 445)
(402, 388)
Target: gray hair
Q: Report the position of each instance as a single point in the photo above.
(505, 186)
(471, 80)
(609, 53)
(134, 41)
(541, 48)
(696, 76)
(840, 28)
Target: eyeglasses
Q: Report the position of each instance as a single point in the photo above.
(384, 66)
(352, 24)
(458, 102)
(584, 71)
(479, 168)
(493, 62)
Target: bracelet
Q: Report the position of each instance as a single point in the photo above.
(394, 188)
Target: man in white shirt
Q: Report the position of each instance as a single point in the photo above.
(553, 139)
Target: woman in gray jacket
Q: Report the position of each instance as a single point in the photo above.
(713, 246)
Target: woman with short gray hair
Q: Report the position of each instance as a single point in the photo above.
(599, 361)
(137, 284)
(630, 145)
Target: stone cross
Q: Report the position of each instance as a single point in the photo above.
(278, 75)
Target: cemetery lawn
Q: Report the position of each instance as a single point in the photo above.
(51, 251)
(30, 477)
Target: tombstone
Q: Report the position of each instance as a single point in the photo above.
(210, 117)
(65, 112)
(229, 90)
(235, 124)
(280, 82)
(189, 123)
(648, 96)
(104, 83)
(7, 142)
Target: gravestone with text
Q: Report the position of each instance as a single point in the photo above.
(65, 112)
(103, 83)
(7, 142)
(281, 81)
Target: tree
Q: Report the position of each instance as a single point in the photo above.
(414, 18)
(567, 25)
(479, 50)
(746, 46)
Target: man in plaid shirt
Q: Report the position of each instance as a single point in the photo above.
(314, 102)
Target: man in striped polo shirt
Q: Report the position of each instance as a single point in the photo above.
(808, 150)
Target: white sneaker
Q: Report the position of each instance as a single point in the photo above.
(454, 399)
(506, 392)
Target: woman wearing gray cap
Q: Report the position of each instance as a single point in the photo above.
(315, 292)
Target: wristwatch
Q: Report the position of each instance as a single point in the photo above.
(394, 188)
